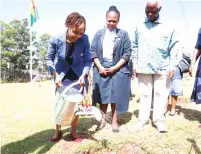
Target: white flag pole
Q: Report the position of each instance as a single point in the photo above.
(31, 44)
(31, 47)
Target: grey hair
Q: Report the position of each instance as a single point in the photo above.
(159, 3)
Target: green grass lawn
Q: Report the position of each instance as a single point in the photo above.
(26, 126)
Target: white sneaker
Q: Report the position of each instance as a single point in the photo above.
(139, 126)
(161, 127)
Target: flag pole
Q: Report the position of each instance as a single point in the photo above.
(31, 44)
(31, 47)
(33, 18)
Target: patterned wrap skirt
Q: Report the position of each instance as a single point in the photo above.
(196, 94)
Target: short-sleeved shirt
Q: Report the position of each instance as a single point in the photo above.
(198, 44)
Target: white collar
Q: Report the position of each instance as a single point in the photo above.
(111, 31)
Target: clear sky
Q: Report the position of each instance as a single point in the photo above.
(52, 14)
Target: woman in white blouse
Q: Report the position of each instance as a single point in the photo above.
(111, 50)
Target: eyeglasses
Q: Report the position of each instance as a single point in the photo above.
(152, 12)
(114, 21)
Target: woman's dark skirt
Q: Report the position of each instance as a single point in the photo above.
(112, 89)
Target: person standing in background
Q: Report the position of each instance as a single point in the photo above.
(176, 90)
(196, 93)
(111, 50)
(155, 54)
(176, 87)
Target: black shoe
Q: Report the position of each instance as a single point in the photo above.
(115, 130)
(101, 126)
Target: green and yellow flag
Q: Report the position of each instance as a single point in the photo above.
(34, 13)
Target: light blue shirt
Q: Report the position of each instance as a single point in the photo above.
(155, 47)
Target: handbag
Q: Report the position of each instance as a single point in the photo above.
(184, 64)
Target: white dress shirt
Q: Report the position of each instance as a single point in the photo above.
(108, 44)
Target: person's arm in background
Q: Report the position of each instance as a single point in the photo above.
(125, 57)
(87, 60)
(175, 53)
(50, 57)
(196, 53)
(134, 56)
(94, 55)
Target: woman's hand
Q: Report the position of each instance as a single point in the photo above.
(170, 74)
(81, 80)
(57, 78)
(134, 74)
(191, 68)
(102, 70)
(111, 70)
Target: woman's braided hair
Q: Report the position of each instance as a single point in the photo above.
(74, 19)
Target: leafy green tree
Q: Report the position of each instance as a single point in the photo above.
(15, 42)
(42, 47)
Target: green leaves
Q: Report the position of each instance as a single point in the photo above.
(42, 47)
(15, 42)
